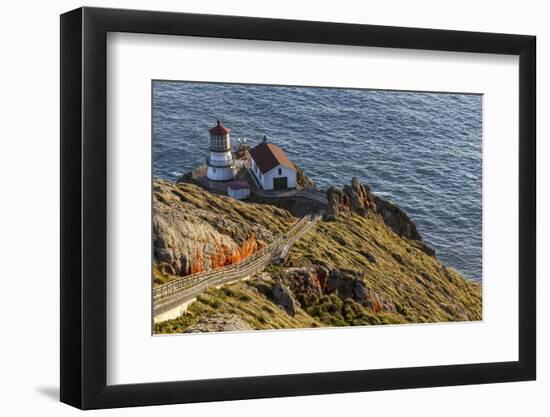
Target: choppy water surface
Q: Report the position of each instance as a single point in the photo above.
(420, 150)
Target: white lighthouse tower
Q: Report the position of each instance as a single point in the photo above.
(220, 161)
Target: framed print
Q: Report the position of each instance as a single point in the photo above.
(291, 208)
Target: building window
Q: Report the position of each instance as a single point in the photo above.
(214, 169)
(280, 171)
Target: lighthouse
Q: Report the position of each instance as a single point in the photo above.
(220, 161)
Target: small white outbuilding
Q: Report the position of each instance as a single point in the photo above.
(271, 167)
(239, 190)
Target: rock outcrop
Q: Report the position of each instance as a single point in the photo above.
(356, 198)
(318, 280)
(191, 236)
(359, 199)
(190, 242)
(309, 281)
(302, 180)
(350, 284)
(283, 297)
(397, 219)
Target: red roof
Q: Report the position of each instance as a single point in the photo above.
(219, 129)
(238, 185)
(268, 156)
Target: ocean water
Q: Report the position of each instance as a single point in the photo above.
(422, 151)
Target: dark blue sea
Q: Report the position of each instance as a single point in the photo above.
(422, 151)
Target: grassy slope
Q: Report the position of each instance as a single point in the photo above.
(242, 300)
(189, 197)
(422, 289)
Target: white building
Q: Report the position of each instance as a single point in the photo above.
(220, 162)
(238, 190)
(271, 167)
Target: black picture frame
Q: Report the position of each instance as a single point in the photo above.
(84, 207)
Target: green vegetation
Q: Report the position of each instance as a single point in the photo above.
(422, 289)
(331, 310)
(239, 299)
(417, 286)
(159, 277)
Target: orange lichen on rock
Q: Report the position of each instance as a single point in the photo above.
(197, 266)
(224, 256)
(219, 258)
(376, 306)
(250, 245)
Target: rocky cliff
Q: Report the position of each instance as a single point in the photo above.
(365, 263)
(359, 199)
(303, 182)
(194, 230)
